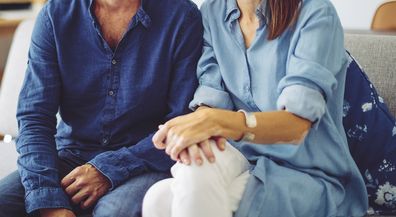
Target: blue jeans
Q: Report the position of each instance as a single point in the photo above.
(124, 201)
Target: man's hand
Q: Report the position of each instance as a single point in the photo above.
(56, 213)
(192, 152)
(85, 185)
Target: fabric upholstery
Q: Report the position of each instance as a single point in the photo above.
(377, 56)
(13, 78)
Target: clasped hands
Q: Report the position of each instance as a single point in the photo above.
(183, 137)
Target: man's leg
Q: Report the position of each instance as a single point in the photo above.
(12, 196)
(126, 200)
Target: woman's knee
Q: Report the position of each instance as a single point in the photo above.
(229, 164)
(158, 200)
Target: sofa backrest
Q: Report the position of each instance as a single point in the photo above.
(377, 55)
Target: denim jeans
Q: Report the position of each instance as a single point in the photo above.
(124, 201)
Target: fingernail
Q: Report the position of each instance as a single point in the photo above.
(160, 126)
(186, 161)
(199, 161)
(212, 159)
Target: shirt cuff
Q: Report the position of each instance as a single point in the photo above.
(46, 198)
(211, 97)
(303, 101)
(112, 168)
(114, 176)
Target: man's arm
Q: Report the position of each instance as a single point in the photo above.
(143, 156)
(36, 114)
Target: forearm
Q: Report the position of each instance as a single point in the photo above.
(272, 127)
(120, 165)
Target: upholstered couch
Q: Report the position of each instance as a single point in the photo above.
(376, 53)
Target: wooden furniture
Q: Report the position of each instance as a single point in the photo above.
(385, 17)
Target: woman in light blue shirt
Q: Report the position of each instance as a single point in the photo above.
(272, 78)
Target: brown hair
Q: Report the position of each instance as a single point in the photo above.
(282, 14)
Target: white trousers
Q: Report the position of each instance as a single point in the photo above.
(209, 190)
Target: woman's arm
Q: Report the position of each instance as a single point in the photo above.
(272, 128)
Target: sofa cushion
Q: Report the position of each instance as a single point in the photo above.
(8, 156)
(371, 134)
(377, 55)
(13, 78)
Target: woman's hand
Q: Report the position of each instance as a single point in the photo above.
(192, 152)
(188, 130)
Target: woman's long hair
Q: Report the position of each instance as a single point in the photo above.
(282, 14)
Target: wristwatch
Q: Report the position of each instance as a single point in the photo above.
(251, 122)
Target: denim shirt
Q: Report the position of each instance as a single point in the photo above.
(110, 102)
(302, 71)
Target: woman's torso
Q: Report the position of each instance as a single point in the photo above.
(254, 78)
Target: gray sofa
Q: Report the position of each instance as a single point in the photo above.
(376, 53)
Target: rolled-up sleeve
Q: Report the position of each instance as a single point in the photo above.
(302, 101)
(317, 55)
(211, 91)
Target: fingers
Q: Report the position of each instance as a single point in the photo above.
(68, 179)
(220, 143)
(88, 202)
(70, 182)
(185, 157)
(207, 150)
(80, 196)
(160, 136)
(195, 155)
(73, 188)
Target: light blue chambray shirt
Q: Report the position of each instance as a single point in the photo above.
(302, 71)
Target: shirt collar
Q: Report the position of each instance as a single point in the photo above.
(233, 13)
(141, 14)
(261, 10)
(232, 10)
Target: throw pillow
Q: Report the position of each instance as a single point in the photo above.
(371, 134)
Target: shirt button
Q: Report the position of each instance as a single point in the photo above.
(114, 62)
(111, 93)
(105, 141)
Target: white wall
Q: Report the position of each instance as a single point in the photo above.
(354, 14)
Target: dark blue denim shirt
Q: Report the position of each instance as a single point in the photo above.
(110, 102)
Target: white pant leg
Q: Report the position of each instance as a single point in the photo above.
(158, 200)
(212, 189)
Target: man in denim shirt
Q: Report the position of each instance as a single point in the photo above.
(114, 70)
